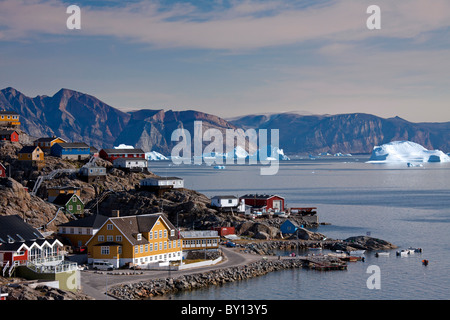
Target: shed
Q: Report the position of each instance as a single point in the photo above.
(264, 201)
(289, 227)
(72, 151)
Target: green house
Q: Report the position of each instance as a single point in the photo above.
(71, 203)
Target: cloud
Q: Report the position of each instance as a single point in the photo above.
(243, 25)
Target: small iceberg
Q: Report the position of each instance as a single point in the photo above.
(406, 152)
(155, 156)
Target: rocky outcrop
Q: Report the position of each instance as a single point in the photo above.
(16, 200)
(363, 243)
(34, 291)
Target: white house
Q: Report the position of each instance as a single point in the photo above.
(228, 202)
(162, 182)
(130, 163)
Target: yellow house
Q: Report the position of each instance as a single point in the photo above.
(142, 240)
(9, 118)
(54, 192)
(46, 143)
(31, 153)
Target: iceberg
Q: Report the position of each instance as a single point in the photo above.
(270, 153)
(405, 151)
(124, 146)
(154, 156)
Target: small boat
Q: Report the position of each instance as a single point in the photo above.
(403, 253)
(357, 252)
(382, 254)
(425, 262)
(418, 250)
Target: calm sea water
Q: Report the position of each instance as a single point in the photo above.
(405, 206)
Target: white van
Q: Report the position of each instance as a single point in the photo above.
(102, 265)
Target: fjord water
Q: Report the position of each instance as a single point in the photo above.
(407, 206)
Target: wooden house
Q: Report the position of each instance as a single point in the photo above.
(112, 154)
(78, 232)
(21, 243)
(90, 173)
(264, 202)
(31, 154)
(143, 240)
(47, 143)
(53, 192)
(289, 227)
(2, 171)
(9, 135)
(70, 202)
(71, 151)
(132, 164)
(9, 119)
(200, 239)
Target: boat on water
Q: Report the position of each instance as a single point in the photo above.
(357, 253)
(382, 254)
(404, 252)
(413, 250)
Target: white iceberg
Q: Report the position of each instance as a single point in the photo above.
(154, 156)
(270, 153)
(124, 146)
(405, 151)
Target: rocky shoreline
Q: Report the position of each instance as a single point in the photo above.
(158, 287)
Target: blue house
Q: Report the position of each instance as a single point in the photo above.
(289, 227)
(71, 151)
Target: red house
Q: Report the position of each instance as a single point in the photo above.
(9, 135)
(2, 171)
(20, 242)
(264, 202)
(112, 154)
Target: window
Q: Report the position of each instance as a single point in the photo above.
(119, 250)
(146, 248)
(156, 234)
(160, 246)
(160, 233)
(156, 246)
(109, 238)
(119, 238)
(150, 235)
(150, 245)
(70, 208)
(105, 250)
(78, 207)
(109, 226)
(165, 233)
(136, 249)
(139, 237)
(101, 238)
(165, 245)
(142, 248)
(172, 233)
(74, 199)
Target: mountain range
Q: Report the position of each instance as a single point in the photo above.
(77, 116)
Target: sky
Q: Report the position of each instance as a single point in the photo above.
(235, 57)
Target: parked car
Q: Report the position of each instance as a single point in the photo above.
(102, 265)
(230, 244)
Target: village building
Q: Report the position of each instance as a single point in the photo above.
(92, 172)
(160, 185)
(264, 202)
(53, 192)
(9, 119)
(289, 227)
(33, 156)
(25, 253)
(47, 143)
(143, 240)
(71, 151)
(71, 203)
(2, 171)
(228, 203)
(77, 232)
(132, 164)
(112, 154)
(9, 135)
(200, 240)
